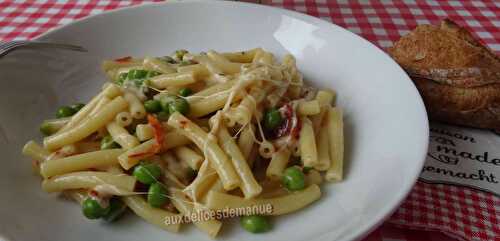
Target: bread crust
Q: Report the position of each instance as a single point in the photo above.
(457, 76)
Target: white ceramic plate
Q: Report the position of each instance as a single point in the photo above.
(386, 126)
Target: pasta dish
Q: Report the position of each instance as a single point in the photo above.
(170, 136)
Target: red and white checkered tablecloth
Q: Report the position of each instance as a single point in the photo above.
(429, 206)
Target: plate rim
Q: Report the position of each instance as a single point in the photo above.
(383, 214)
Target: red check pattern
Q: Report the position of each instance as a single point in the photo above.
(383, 22)
(458, 212)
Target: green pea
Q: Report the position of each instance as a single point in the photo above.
(163, 115)
(179, 104)
(185, 92)
(140, 82)
(137, 74)
(92, 209)
(46, 129)
(64, 111)
(272, 119)
(147, 173)
(255, 224)
(180, 53)
(107, 142)
(166, 100)
(121, 78)
(77, 107)
(157, 195)
(116, 209)
(152, 106)
(293, 179)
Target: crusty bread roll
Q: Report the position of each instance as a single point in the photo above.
(457, 76)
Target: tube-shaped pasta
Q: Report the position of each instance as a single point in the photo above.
(35, 151)
(308, 107)
(180, 170)
(226, 98)
(123, 118)
(88, 126)
(199, 71)
(110, 91)
(278, 205)
(273, 188)
(144, 132)
(295, 77)
(136, 108)
(324, 98)
(266, 149)
(278, 164)
(100, 104)
(183, 204)
(323, 148)
(202, 122)
(313, 177)
(202, 183)
(307, 144)
(80, 162)
(242, 56)
(114, 169)
(275, 97)
(224, 64)
(175, 79)
(218, 159)
(188, 156)
(56, 124)
(155, 216)
(118, 184)
(216, 187)
(243, 112)
(121, 136)
(289, 60)
(248, 184)
(233, 115)
(212, 90)
(211, 103)
(157, 65)
(264, 57)
(174, 139)
(294, 91)
(67, 150)
(246, 141)
(88, 146)
(335, 128)
(208, 63)
(131, 157)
